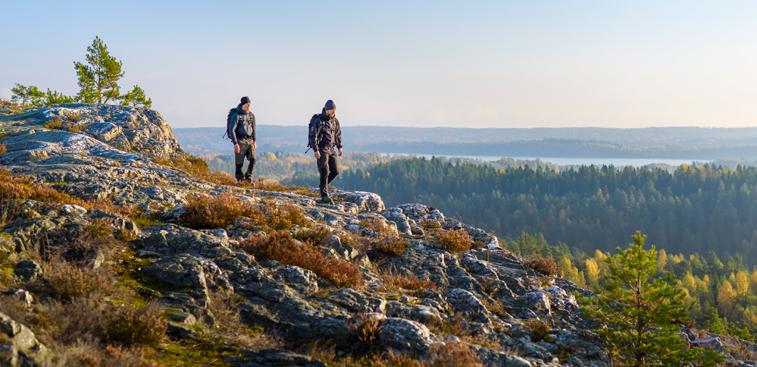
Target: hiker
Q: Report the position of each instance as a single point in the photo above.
(324, 133)
(240, 128)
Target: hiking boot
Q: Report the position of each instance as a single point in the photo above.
(326, 200)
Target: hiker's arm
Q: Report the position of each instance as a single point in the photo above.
(338, 135)
(254, 129)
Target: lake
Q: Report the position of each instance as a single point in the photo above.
(570, 161)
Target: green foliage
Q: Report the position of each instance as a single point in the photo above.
(639, 313)
(27, 95)
(136, 97)
(54, 97)
(98, 78)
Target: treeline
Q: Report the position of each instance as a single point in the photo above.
(691, 209)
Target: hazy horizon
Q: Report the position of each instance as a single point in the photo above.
(482, 64)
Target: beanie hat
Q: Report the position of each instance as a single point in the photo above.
(245, 100)
(330, 105)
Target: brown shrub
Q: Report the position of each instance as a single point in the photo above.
(539, 329)
(457, 240)
(280, 246)
(207, 212)
(314, 236)
(453, 354)
(66, 282)
(54, 124)
(3, 149)
(284, 216)
(545, 265)
(430, 224)
(378, 225)
(388, 245)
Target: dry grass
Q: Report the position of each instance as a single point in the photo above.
(430, 224)
(87, 353)
(366, 329)
(196, 167)
(280, 246)
(378, 225)
(284, 216)
(14, 187)
(125, 324)
(315, 236)
(545, 265)
(388, 245)
(454, 241)
(453, 354)
(208, 212)
(54, 124)
(539, 329)
(230, 329)
(66, 282)
(408, 282)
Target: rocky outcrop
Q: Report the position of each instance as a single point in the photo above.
(483, 297)
(19, 346)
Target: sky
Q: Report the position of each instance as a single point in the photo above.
(407, 63)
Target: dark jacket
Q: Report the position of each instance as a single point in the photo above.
(326, 133)
(241, 125)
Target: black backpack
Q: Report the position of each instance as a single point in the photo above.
(314, 131)
(228, 117)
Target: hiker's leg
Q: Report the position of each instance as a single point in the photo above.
(323, 169)
(333, 169)
(250, 157)
(239, 162)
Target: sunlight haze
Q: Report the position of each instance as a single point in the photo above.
(414, 63)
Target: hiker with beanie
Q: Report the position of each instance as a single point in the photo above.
(240, 128)
(325, 134)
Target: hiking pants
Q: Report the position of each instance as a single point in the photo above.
(246, 150)
(327, 167)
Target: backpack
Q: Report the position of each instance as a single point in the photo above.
(228, 120)
(314, 132)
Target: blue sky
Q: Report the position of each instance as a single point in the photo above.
(408, 63)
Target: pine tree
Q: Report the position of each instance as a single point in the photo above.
(639, 312)
(98, 78)
(136, 97)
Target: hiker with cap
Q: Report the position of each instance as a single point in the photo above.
(240, 128)
(324, 135)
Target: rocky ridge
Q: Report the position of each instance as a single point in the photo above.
(485, 297)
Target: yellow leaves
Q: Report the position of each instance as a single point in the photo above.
(592, 271)
(726, 294)
(570, 272)
(662, 259)
(741, 282)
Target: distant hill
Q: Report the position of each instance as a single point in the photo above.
(662, 142)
